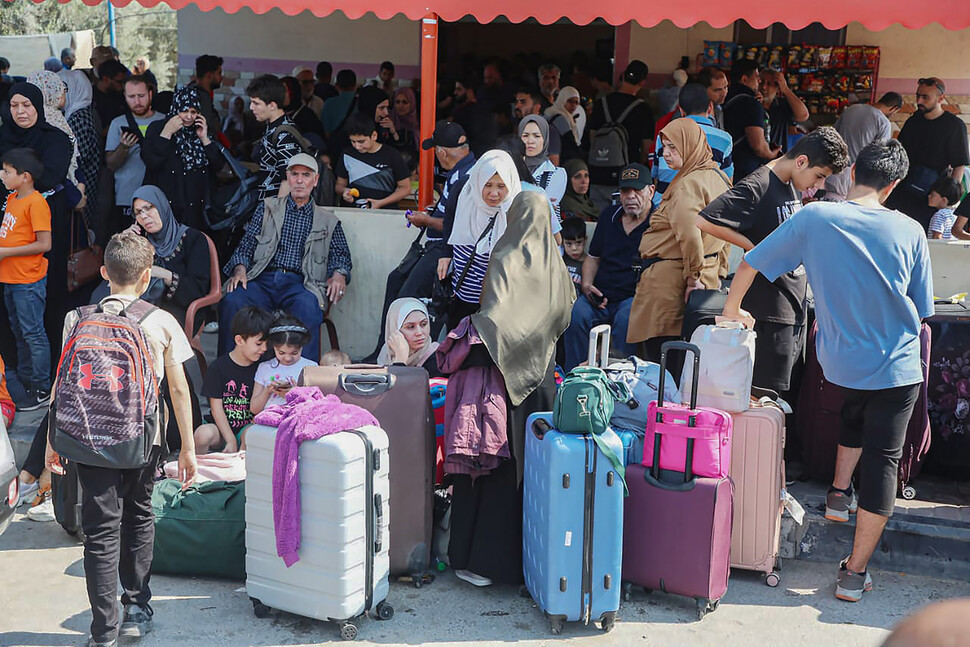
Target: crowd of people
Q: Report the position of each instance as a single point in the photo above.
(108, 160)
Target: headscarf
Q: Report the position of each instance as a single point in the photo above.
(52, 146)
(534, 162)
(80, 94)
(167, 239)
(559, 108)
(472, 214)
(527, 297)
(691, 143)
(580, 205)
(399, 311)
(53, 88)
(368, 98)
(410, 120)
(53, 64)
(187, 143)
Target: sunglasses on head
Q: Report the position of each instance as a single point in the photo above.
(933, 82)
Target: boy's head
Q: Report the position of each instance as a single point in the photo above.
(816, 156)
(128, 260)
(250, 329)
(362, 131)
(880, 166)
(335, 358)
(20, 167)
(574, 237)
(267, 96)
(945, 192)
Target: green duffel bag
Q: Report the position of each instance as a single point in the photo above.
(201, 531)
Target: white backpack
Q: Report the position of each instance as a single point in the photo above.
(726, 367)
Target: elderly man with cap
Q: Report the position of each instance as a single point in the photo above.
(455, 159)
(278, 264)
(609, 277)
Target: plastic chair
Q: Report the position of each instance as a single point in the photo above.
(213, 297)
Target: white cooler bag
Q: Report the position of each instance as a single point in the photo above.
(727, 367)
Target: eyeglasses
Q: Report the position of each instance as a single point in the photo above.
(932, 81)
(144, 211)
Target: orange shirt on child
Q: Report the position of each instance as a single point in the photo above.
(22, 218)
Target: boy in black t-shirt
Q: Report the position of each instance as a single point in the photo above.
(229, 384)
(574, 246)
(371, 174)
(746, 214)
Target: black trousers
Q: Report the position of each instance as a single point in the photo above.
(119, 534)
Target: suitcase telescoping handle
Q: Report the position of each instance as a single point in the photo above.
(366, 383)
(696, 352)
(599, 346)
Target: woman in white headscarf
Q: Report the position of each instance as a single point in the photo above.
(562, 116)
(407, 330)
(478, 223)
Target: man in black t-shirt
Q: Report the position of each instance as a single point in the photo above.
(638, 124)
(936, 142)
(745, 215)
(370, 171)
(745, 118)
(783, 106)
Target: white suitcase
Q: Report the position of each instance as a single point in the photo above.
(727, 367)
(344, 511)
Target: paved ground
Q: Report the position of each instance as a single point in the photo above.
(44, 603)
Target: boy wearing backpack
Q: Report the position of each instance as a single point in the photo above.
(106, 416)
(621, 128)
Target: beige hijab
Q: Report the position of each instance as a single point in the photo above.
(691, 142)
(527, 297)
(396, 314)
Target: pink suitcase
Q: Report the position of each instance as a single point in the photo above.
(704, 431)
(758, 472)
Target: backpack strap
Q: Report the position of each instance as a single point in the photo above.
(138, 310)
(629, 109)
(606, 110)
(297, 135)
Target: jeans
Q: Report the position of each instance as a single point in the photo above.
(273, 290)
(585, 317)
(26, 303)
(119, 535)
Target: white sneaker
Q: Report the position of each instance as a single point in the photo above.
(473, 579)
(27, 492)
(42, 511)
(211, 327)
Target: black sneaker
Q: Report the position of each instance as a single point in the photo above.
(137, 622)
(35, 400)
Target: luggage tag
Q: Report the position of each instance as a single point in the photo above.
(793, 507)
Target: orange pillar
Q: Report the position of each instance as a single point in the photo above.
(429, 97)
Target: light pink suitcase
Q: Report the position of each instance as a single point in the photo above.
(758, 471)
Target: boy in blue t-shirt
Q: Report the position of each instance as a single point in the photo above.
(869, 268)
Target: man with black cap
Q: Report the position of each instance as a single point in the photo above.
(609, 277)
(415, 279)
(615, 115)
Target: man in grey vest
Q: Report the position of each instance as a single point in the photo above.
(293, 257)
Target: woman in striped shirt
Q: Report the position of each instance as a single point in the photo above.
(479, 222)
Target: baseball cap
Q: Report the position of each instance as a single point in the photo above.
(303, 159)
(447, 134)
(636, 72)
(635, 176)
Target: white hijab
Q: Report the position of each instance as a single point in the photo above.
(559, 108)
(472, 214)
(79, 91)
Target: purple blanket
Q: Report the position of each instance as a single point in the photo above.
(307, 415)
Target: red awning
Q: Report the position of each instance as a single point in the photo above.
(874, 14)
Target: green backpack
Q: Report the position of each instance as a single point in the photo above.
(584, 405)
(200, 531)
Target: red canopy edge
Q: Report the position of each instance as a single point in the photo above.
(873, 14)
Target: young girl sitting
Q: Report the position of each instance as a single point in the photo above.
(275, 377)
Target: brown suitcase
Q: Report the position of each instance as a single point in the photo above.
(758, 472)
(400, 398)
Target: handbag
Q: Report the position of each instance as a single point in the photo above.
(83, 263)
(413, 255)
(232, 205)
(442, 293)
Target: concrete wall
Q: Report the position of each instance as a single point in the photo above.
(274, 43)
(661, 47)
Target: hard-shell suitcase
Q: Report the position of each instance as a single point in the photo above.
(572, 525)
(758, 472)
(439, 389)
(949, 390)
(399, 397)
(632, 441)
(820, 418)
(677, 526)
(344, 512)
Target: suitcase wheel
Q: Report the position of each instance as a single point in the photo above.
(260, 610)
(773, 579)
(524, 592)
(348, 631)
(555, 625)
(384, 611)
(908, 492)
(608, 621)
(705, 606)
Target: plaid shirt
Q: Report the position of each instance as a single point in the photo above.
(289, 254)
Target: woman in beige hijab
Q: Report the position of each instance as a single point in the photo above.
(407, 330)
(527, 299)
(677, 256)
